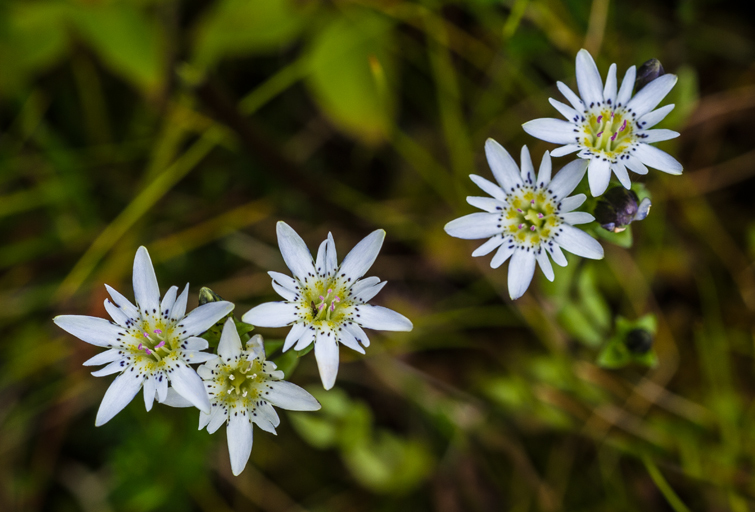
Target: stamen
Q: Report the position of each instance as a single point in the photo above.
(623, 126)
(532, 201)
(520, 226)
(532, 228)
(244, 393)
(146, 335)
(613, 137)
(148, 351)
(162, 343)
(540, 215)
(157, 331)
(140, 346)
(232, 377)
(254, 375)
(599, 134)
(612, 115)
(519, 210)
(600, 118)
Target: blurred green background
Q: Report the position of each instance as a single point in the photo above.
(192, 127)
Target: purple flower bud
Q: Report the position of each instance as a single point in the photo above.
(618, 208)
(648, 72)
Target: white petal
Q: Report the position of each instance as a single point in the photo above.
(308, 337)
(284, 292)
(578, 242)
(123, 303)
(621, 173)
(204, 317)
(123, 389)
(635, 165)
(651, 95)
(173, 399)
(488, 246)
(503, 166)
(569, 113)
(271, 314)
(204, 419)
(290, 397)
(363, 284)
(651, 136)
(627, 85)
(195, 343)
(320, 259)
(230, 343)
(162, 387)
(488, 204)
(653, 118)
(567, 179)
(347, 339)
(381, 319)
(521, 270)
(528, 170)
(551, 130)
(150, 389)
(197, 357)
(369, 293)
(474, 226)
(294, 251)
(326, 354)
(571, 97)
(287, 282)
(169, 300)
(557, 255)
(257, 347)
(114, 367)
(178, 310)
(117, 314)
(97, 331)
(565, 150)
(503, 253)
(239, 433)
(488, 187)
(577, 218)
(362, 256)
(189, 385)
(570, 203)
(657, 159)
(331, 257)
(643, 209)
(544, 173)
(105, 357)
(599, 175)
(358, 333)
(545, 264)
(266, 418)
(146, 290)
(588, 79)
(293, 335)
(609, 91)
(218, 416)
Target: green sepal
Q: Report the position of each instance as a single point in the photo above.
(623, 239)
(615, 354)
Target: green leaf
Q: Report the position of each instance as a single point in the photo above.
(341, 78)
(234, 28)
(126, 40)
(614, 355)
(578, 325)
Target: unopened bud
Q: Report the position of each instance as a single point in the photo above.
(648, 72)
(618, 208)
(639, 341)
(206, 295)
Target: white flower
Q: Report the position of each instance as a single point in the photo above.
(326, 304)
(243, 388)
(610, 129)
(527, 218)
(149, 344)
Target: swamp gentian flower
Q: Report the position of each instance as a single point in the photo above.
(150, 344)
(609, 128)
(527, 218)
(243, 388)
(326, 303)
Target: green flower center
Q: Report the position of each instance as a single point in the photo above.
(156, 344)
(608, 132)
(531, 217)
(244, 379)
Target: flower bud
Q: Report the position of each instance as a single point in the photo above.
(206, 295)
(618, 208)
(648, 72)
(639, 341)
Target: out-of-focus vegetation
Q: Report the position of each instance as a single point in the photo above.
(192, 127)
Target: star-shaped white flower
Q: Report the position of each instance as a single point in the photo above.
(326, 303)
(527, 218)
(149, 344)
(243, 388)
(610, 128)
